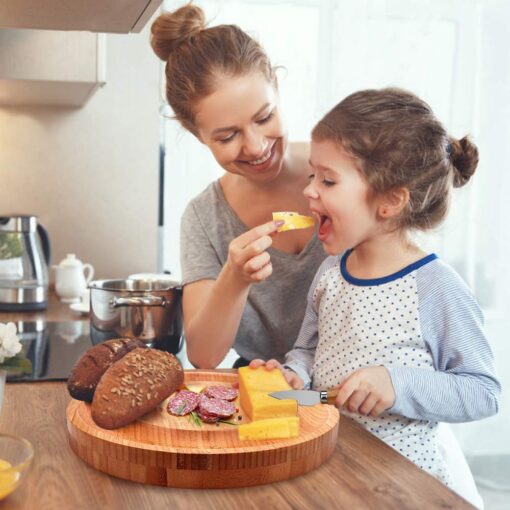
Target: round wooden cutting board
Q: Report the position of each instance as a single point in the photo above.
(162, 449)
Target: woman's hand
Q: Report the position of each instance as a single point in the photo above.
(291, 377)
(367, 391)
(247, 255)
(214, 308)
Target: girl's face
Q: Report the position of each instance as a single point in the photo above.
(338, 196)
(241, 125)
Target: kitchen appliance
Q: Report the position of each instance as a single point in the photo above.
(149, 310)
(51, 348)
(24, 260)
(54, 348)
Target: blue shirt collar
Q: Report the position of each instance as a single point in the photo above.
(384, 279)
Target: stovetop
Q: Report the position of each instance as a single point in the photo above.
(54, 347)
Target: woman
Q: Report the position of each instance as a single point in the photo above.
(244, 285)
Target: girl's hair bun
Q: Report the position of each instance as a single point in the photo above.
(172, 28)
(464, 158)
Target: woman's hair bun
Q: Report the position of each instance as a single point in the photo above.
(172, 28)
(464, 157)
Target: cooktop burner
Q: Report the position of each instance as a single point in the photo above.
(54, 347)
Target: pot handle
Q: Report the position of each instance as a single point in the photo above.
(116, 302)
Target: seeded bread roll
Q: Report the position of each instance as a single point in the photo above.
(135, 385)
(93, 364)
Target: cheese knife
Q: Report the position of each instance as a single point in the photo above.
(307, 397)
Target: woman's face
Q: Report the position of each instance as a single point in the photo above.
(241, 125)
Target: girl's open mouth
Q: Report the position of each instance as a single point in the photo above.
(325, 226)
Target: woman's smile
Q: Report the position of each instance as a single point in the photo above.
(263, 162)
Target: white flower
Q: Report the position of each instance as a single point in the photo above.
(10, 344)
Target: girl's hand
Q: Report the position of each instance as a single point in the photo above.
(247, 255)
(367, 391)
(291, 377)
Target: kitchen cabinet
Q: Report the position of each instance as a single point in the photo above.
(45, 67)
(118, 16)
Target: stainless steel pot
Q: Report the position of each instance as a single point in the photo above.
(149, 310)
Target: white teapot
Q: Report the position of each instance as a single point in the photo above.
(72, 278)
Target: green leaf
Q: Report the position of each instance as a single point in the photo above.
(17, 364)
(229, 422)
(195, 419)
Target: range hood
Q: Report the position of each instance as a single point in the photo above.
(113, 16)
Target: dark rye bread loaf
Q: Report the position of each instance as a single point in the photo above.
(94, 363)
(135, 385)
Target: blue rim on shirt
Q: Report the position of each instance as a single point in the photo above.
(384, 279)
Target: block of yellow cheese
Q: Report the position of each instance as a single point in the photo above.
(261, 379)
(271, 428)
(254, 386)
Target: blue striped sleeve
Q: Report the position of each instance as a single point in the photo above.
(463, 387)
(300, 358)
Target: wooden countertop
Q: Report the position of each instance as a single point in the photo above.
(363, 472)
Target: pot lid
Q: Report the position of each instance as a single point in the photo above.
(129, 285)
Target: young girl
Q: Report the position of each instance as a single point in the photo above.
(395, 329)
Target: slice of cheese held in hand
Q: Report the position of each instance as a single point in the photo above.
(293, 220)
(272, 428)
(254, 386)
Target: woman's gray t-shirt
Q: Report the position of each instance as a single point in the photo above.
(275, 308)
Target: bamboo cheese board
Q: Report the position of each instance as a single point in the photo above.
(173, 451)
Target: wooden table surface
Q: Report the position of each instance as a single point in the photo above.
(363, 472)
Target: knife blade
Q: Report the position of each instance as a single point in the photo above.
(307, 397)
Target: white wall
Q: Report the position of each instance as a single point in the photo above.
(492, 235)
(454, 54)
(91, 174)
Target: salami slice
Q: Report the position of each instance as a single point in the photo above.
(207, 418)
(222, 392)
(183, 402)
(216, 407)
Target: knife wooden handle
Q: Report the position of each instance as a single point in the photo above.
(329, 396)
